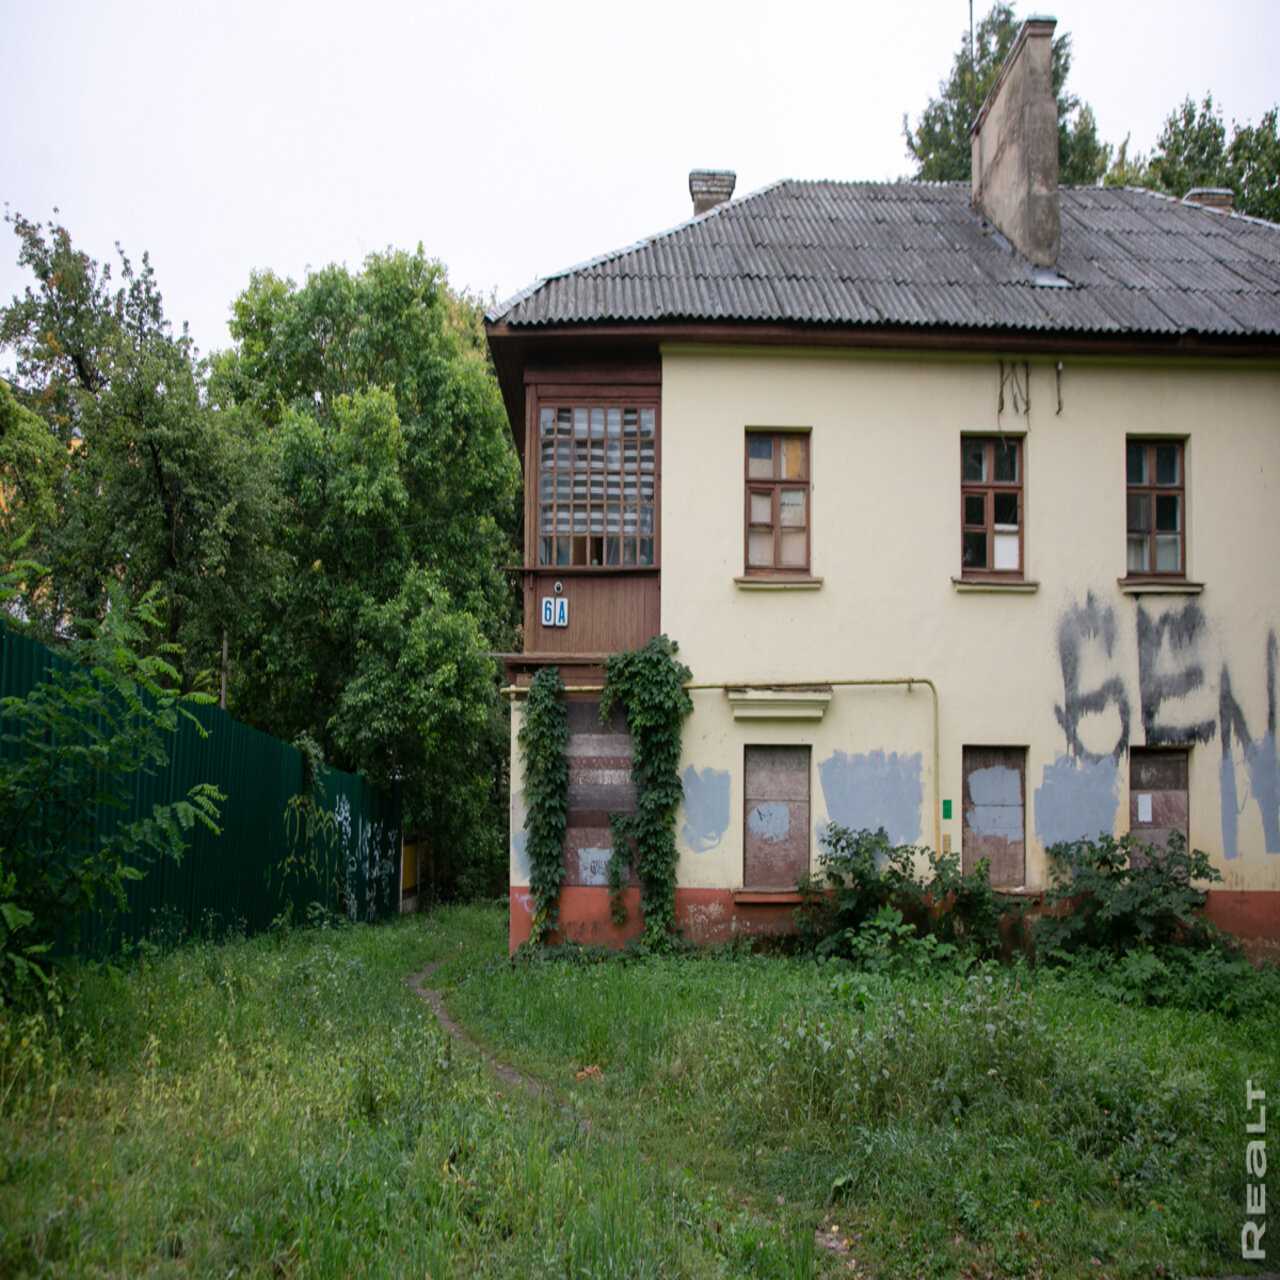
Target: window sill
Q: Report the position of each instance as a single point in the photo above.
(1159, 587)
(767, 897)
(582, 570)
(796, 582)
(1011, 586)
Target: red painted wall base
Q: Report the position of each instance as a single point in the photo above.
(711, 916)
(1248, 913)
(705, 916)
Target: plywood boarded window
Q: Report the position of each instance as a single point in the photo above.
(994, 813)
(599, 784)
(1158, 795)
(776, 822)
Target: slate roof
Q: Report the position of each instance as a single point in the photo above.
(917, 254)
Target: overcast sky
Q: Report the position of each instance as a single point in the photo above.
(511, 139)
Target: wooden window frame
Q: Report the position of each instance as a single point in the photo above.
(1152, 490)
(774, 486)
(987, 490)
(589, 400)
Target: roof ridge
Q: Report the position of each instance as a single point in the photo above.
(645, 242)
(876, 252)
(1168, 198)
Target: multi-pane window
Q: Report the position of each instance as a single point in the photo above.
(777, 502)
(596, 471)
(991, 505)
(1155, 505)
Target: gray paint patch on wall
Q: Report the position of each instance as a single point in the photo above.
(520, 845)
(593, 866)
(997, 802)
(1077, 800)
(706, 808)
(874, 790)
(770, 820)
(1260, 759)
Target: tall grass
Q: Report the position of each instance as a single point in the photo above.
(1002, 1120)
(286, 1106)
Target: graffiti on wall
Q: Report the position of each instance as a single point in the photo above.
(1080, 791)
(1260, 761)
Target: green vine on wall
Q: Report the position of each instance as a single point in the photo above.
(648, 684)
(544, 742)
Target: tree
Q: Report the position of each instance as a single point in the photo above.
(29, 464)
(1192, 151)
(1254, 156)
(940, 143)
(157, 493)
(399, 507)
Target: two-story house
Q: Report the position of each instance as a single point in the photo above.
(962, 503)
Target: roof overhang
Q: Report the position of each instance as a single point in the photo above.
(513, 347)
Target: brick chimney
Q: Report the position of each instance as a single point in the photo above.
(710, 187)
(1221, 198)
(1015, 147)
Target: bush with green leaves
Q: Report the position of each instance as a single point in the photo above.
(70, 751)
(868, 904)
(1115, 894)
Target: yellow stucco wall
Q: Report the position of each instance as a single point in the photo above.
(885, 513)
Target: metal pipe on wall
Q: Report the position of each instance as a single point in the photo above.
(513, 691)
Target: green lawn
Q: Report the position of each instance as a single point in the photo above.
(286, 1106)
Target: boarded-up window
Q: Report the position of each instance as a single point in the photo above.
(994, 825)
(776, 824)
(599, 784)
(1158, 795)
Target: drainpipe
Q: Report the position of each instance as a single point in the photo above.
(512, 691)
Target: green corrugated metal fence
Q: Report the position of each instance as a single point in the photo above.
(280, 847)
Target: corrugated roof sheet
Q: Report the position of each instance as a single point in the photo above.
(867, 253)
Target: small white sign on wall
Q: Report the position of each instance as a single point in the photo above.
(555, 611)
(1144, 808)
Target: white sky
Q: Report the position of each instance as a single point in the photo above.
(512, 139)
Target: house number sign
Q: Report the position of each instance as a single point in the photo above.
(555, 611)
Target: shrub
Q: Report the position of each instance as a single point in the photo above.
(869, 905)
(1117, 895)
(967, 911)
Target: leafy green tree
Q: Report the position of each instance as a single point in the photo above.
(1254, 156)
(30, 458)
(1193, 151)
(399, 495)
(157, 492)
(939, 144)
